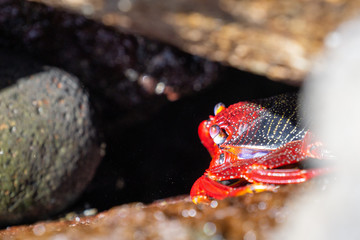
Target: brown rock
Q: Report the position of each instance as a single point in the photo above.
(275, 38)
(252, 216)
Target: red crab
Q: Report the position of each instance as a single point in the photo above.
(254, 147)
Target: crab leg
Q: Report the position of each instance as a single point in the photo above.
(312, 148)
(204, 189)
(283, 176)
(288, 154)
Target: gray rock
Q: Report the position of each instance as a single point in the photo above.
(48, 145)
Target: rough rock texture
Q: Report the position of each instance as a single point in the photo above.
(253, 216)
(47, 134)
(275, 38)
(119, 69)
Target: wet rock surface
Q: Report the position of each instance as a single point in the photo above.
(275, 38)
(47, 134)
(253, 216)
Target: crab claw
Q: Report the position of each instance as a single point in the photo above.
(206, 139)
(198, 193)
(205, 189)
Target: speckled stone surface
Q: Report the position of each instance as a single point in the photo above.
(49, 148)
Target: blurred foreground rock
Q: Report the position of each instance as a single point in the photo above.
(253, 216)
(275, 38)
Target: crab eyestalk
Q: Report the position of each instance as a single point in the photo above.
(217, 134)
(219, 108)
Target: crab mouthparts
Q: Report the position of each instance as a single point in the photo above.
(246, 152)
(235, 182)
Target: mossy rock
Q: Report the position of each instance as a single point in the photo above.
(48, 145)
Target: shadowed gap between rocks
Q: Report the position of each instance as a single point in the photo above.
(162, 157)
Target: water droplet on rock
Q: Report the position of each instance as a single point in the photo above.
(39, 229)
(209, 228)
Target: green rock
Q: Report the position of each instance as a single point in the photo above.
(48, 146)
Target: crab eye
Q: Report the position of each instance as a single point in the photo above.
(218, 108)
(221, 158)
(217, 134)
